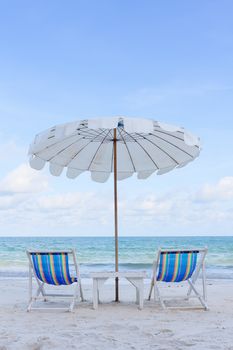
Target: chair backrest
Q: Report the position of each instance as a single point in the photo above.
(176, 266)
(52, 267)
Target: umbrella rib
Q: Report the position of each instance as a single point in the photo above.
(63, 149)
(98, 149)
(172, 144)
(142, 148)
(56, 143)
(162, 150)
(168, 133)
(70, 136)
(78, 151)
(174, 136)
(89, 132)
(127, 150)
(85, 146)
(82, 129)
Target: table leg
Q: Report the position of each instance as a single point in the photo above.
(95, 293)
(138, 284)
(141, 294)
(137, 295)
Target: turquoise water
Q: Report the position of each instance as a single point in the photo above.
(97, 253)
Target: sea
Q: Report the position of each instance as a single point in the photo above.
(97, 253)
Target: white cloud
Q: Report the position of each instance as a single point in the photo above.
(23, 179)
(76, 207)
(222, 190)
(91, 213)
(182, 210)
(9, 201)
(10, 150)
(66, 201)
(156, 205)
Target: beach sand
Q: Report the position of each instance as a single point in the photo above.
(116, 326)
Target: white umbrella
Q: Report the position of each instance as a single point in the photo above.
(120, 145)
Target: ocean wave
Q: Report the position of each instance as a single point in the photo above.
(212, 272)
(97, 253)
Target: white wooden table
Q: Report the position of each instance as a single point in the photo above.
(134, 277)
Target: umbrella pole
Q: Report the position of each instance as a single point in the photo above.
(115, 215)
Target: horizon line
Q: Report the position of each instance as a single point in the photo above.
(112, 236)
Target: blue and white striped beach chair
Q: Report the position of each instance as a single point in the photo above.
(179, 265)
(53, 268)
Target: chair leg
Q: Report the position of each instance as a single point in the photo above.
(157, 295)
(76, 292)
(151, 288)
(202, 301)
(81, 291)
(30, 289)
(188, 293)
(43, 293)
(29, 306)
(41, 290)
(204, 282)
(32, 298)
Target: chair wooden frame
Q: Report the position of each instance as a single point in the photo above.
(202, 296)
(41, 292)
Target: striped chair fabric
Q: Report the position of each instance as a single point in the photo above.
(176, 266)
(52, 268)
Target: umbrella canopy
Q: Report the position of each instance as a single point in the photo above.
(143, 147)
(120, 145)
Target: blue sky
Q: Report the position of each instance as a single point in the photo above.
(166, 60)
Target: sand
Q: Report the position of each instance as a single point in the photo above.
(116, 326)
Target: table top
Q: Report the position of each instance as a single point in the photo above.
(124, 274)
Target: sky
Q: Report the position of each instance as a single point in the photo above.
(169, 61)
